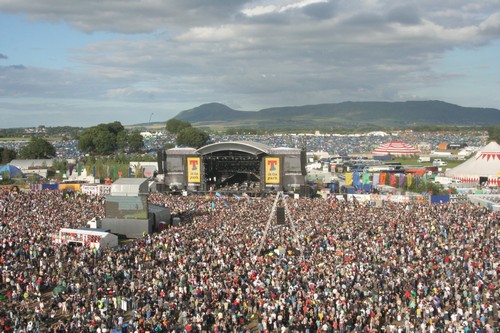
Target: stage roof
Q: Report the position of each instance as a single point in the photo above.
(249, 147)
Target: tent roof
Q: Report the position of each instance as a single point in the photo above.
(486, 163)
(396, 148)
(250, 147)
(37, 163)
(11, 169)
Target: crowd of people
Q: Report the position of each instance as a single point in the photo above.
(334, 266)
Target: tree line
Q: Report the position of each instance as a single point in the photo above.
(113, 138)
(107, 139)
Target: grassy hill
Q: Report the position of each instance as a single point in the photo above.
(344, 115)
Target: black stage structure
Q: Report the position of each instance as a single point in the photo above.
(239, 166)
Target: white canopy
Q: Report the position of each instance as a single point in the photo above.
(486, 163)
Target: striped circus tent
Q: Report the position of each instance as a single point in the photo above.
(483, 167)
(396, 148)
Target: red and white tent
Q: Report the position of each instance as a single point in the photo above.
(484, 166)
(396, 148)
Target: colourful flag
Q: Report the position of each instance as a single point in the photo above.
(401, 180)
(376, 179)
(366, 178)
(392, 179)
(348, 178)
(382, 178)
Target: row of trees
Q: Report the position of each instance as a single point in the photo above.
(112, 138)
(108, 139)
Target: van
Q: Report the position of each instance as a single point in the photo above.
(423, 159)
(438, 162)
(446, 181)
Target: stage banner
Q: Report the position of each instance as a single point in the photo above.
(272, 165)
(193, 169)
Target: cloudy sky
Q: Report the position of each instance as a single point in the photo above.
(81, 63)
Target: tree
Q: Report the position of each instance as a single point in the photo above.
(494, 133)
(121, 140)
(135, 141)
(102, 139)
(38, 148)
(192, 137)
(105, 142)
(174, 126)
(168, 145)
(7, 155)
(86, 140)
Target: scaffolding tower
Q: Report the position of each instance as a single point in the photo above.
(280, 198)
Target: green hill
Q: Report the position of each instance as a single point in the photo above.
(345, 115)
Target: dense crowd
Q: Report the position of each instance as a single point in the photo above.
(348, 268)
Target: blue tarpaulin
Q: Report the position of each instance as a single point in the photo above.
(52, 187)
(440, 198)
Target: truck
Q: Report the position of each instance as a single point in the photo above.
(424, 159)
(446, 181)
(439, 162)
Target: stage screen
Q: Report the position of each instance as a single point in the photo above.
(127, 207)
(174, 164)
(292, 164)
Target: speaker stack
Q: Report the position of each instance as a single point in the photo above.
(280, 215)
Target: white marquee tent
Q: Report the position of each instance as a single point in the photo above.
(484, 166)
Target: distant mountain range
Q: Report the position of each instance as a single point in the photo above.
(344, 115)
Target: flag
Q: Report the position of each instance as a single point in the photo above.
(115, 171)
(348, 178)
(93, 171)
(424, 178)
(79, 168)
(71, 167)
(356, 179)
(392, 179)
(382, 178)
(366, 178)
(409, 179)
(401, 180)
(376, 179)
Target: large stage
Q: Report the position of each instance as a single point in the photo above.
(240, 166)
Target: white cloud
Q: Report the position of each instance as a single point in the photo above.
(251, 53)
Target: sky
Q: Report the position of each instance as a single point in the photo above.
(82, 63)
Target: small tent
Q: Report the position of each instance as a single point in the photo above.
(11, 170)
(483, 167)
(396, 148)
